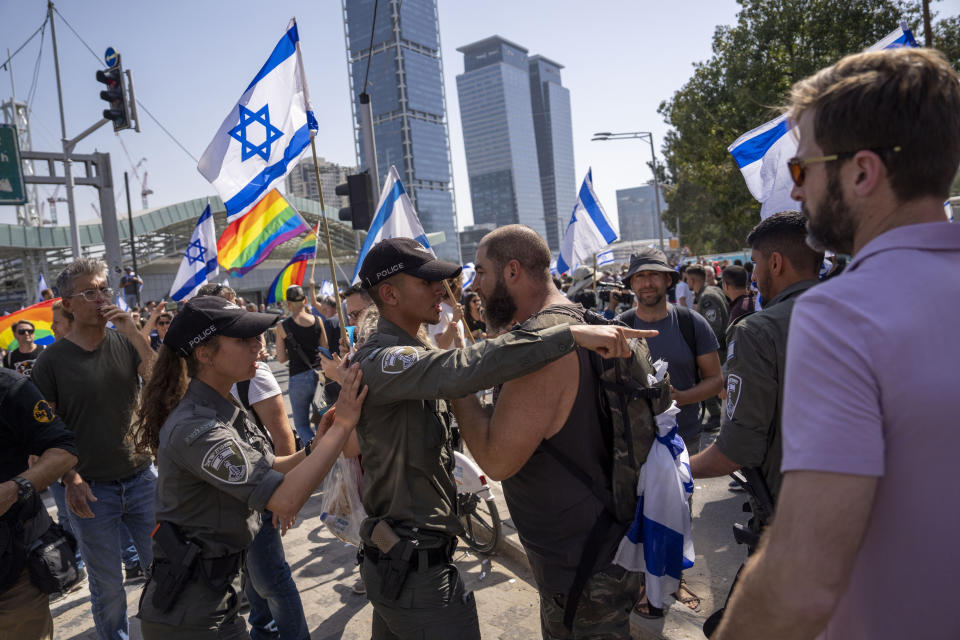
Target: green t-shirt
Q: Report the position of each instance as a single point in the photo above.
(95, 393)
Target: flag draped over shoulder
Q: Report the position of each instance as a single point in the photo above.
(588, 231)
(40, 314)
(199, 262)
(762, 153)
(395, 218)
(293, 272)
(248, 240)
(265, 132)
(41, 286)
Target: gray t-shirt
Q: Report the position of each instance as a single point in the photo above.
(682, 364)
(95, 393)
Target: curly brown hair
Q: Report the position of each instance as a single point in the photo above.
(163, 392)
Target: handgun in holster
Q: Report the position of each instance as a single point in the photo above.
(175, 570)
(394, 564)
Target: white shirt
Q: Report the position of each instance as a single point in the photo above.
(683, 291)
(446, 316)
(263, 385)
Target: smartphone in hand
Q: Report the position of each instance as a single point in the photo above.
(325, 353)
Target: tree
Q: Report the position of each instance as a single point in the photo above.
(774, 44)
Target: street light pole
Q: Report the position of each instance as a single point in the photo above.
(648, 136)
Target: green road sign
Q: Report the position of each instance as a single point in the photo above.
(11, 171)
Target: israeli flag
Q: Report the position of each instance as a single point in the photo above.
(605, 257)
(762, 153)
(42, 283)
(199, 262)
(947, 209)
(326, 288)
(588, 231)
(395, 218)
(553, 267)
(469, 272)
(122, 303)
(265, 131)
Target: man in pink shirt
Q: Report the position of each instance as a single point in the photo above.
(863, 544)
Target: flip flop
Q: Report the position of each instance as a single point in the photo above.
(687, 600)
(643, 607)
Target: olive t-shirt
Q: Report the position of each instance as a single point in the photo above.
(95, 393)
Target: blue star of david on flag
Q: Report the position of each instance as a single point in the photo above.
(195, 252)
(239, 133)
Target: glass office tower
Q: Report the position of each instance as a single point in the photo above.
(498, 134)
(638, 213)
(406, 91)
(553, 126)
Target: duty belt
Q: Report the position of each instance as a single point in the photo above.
(420, 560)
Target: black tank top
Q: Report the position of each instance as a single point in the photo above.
(308, 338)
(553, 510)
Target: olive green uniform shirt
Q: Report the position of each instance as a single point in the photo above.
(713, 305)
(404, 428)
(214, 471)
(750, 432)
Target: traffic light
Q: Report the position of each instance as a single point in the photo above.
(116, 95)
(360, 192)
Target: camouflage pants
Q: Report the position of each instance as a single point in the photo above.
(603, 612)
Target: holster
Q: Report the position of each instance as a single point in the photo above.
(172, 572)
(394, 564)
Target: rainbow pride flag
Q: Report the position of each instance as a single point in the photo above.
(247, 241)
(294, 272)
(40, 314)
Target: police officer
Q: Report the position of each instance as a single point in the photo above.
(216, 470)
(750, 435)
(404, 434)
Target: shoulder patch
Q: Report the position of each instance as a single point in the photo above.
(199, 430)
(711, 314)
(734, 389)
(730, 348)
(375, 352)
(398, 359)
(226, 462)
(43, 412)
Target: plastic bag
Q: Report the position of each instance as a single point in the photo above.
(341, 508)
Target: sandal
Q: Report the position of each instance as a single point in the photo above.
(691, 601)
(643, 607)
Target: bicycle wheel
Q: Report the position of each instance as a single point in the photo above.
(481, 522)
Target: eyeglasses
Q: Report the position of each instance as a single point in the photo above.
(798, 166)
(91, 295)
(23, 332)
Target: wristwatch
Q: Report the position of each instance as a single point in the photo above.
(25, 489)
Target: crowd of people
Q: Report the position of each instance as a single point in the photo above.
(165, 434)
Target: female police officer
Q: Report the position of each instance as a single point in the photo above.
(216, 471)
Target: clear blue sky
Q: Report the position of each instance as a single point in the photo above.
(191, 60)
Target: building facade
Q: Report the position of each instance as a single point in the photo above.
(637, 212)
(302, 181)
(498, 135)
(553, 126)
(405, 85)
(470, 237)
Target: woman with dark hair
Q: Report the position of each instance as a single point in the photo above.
(474, 315)
(216, 469)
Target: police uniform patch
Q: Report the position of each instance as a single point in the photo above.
(43, 412)
(711, 314)
(398, 360)
(226, 462)
(730, 349)
(734, 388)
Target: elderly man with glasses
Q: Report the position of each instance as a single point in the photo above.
(91, 376)
(22, 358)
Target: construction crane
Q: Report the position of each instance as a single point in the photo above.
(52, 201)
(144, 190)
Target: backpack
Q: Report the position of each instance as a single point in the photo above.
(628, 406)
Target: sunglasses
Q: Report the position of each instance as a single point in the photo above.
(23, 332)
(798, 166)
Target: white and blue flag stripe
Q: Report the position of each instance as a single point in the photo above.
(395, 218)
(265, 132)
(588, 231)
(605, 257)
(762, 153)
(199, 264)
(469, 272)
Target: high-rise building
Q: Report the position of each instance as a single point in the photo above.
(638, 213)
(498, 134)
(302, 181)
(470, 238)
(554, 130)
(405, 85)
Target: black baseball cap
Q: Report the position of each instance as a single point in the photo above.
(295, 293)
(649, 259)
(403, 255)
(206, 316)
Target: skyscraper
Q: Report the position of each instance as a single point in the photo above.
(638, 213)
(553, 126)
(405, 84)
(498, 134)
(302, 181)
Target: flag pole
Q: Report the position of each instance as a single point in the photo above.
(326, 233)
(463, 319)
(594, 273)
